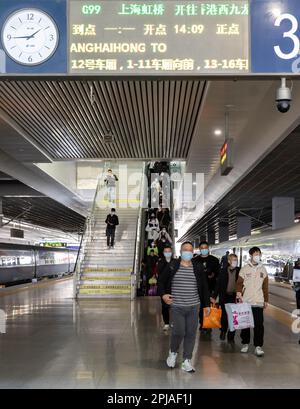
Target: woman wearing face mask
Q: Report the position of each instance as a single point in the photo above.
(154, 247)
(152, 228)
(252, 288)
(182, 285)
(161, 265)
(226, 290)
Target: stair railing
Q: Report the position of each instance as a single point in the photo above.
(86, 236)
(139, 239)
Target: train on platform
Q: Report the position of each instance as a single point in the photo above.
(280, 249)
(24, 263)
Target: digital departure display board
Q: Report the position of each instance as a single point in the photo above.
(115, 37)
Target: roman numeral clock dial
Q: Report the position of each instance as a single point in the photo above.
(30, 36)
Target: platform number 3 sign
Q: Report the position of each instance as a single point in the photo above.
(278, 22)
(291, 35)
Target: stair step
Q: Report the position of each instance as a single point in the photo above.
(106, 270)
(85, 295)
(105, 283)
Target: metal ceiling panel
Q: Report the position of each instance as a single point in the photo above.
(42, 211)
(278, 174)
(148, 119)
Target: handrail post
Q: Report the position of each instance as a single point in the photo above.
(137, 251)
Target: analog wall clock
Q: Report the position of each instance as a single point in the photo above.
(30, 36)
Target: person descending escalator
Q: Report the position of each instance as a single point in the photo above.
(161, 265)
(111, 221)
(211, 269)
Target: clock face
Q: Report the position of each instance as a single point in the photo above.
(30, 36)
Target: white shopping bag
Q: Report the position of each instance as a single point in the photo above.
(296, 275)
(239, 316)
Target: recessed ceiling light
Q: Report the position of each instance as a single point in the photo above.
(218, 132)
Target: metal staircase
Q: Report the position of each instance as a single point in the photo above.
(108, 273)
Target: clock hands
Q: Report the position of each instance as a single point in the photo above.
(32, 35)
(29, 37)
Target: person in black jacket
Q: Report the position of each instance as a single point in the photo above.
(182, 285)
(226, 290)
(161, 265)
(211, 268)
(111, 221)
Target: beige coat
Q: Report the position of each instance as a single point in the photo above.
(253, 283)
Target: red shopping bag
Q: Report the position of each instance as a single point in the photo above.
(214, 318)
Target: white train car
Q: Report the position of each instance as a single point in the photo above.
(278, 247)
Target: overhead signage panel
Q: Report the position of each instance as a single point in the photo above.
(275, 38)
(149, 37)
(158, 37)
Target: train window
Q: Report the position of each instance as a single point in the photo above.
(25, 260)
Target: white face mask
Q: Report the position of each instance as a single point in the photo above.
(256, 259)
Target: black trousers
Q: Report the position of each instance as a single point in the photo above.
(229, 298)
(258, 315)
(298, 299)
(110, 235)
(165, 310)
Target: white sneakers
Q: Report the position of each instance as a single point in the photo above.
(245, 349)
(258, 350)
(187, 366)
(171, 360)
(166, 327)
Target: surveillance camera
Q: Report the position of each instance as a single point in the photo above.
(283, 97)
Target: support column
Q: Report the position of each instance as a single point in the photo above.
(211, 237)
(223, 232)
(243, 226)
(1, 213)
(283, 212)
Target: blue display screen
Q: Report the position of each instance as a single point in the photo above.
(275, 36)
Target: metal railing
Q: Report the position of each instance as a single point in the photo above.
(139, 240)
(87, 235)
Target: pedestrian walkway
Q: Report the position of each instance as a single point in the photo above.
(54, 342)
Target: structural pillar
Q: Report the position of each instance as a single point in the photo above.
(283, 212)
(1, 213)
(223, 232)
(211, 237)
(243, 226)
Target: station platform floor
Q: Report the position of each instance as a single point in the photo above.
(51, 341)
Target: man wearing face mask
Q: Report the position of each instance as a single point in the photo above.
(182, 285)
(111, 221)
(252, 288)
(211, 268)
(226, 291)
(152, 228)
(161, 265)
(164, 239)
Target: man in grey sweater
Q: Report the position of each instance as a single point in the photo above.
(183, 285)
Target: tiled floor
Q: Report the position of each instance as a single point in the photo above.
(54, 342)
